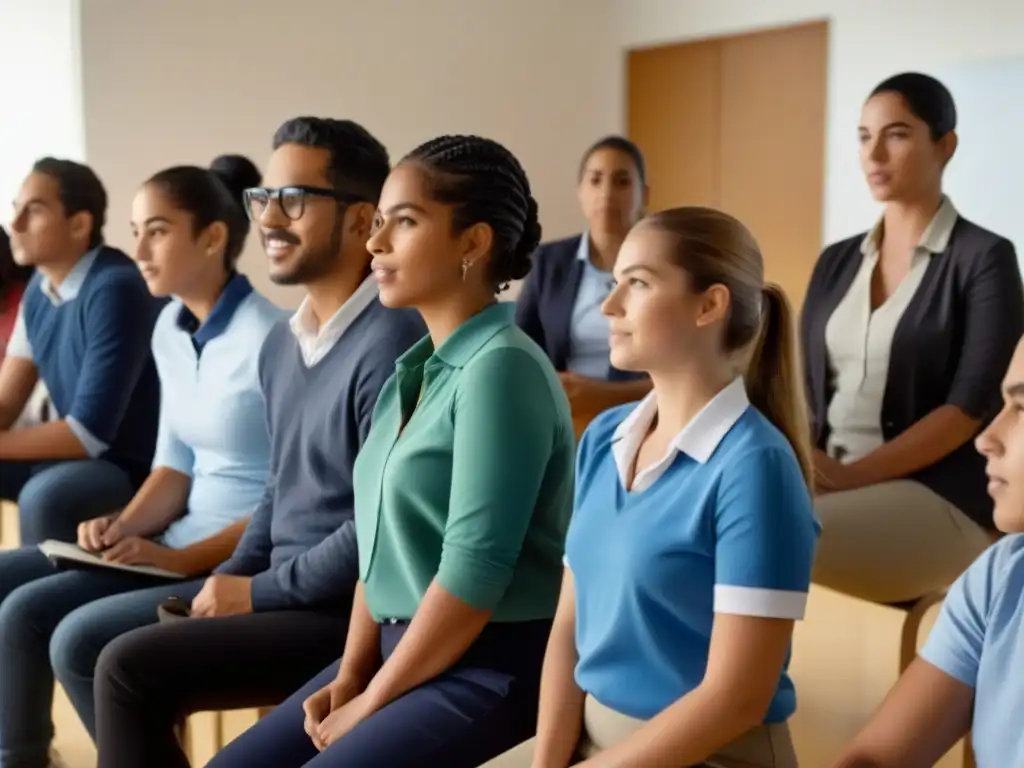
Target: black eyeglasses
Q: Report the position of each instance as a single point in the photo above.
(291, 200)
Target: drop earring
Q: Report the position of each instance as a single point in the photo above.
(465, 269)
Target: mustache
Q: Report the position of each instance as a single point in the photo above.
(280, 234)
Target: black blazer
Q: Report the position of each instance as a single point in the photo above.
(952, 346)
(544, 308)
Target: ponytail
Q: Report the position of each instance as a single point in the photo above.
(775, 384)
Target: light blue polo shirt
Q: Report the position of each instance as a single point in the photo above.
(723, 523)
(979, 640)
(589, 350)
(212, 419)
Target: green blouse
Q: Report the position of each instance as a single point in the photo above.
(476, 489)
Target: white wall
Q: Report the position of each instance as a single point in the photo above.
(40, 89)
(182, 81)
(986, 179)
(870, 39)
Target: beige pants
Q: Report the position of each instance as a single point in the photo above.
(893, 542)
(767, 746)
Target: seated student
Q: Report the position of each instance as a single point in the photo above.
(463, 494)
(13, 279)
(209, 471)
(689, 554)
(560, 305)
(84, 328)
(906, 331)
(277, 611)
(968, 673)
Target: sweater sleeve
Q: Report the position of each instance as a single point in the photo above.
(326, 573)
(119, 318)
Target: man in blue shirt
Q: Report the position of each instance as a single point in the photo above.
(968, 675)
(84, 328)
(277, 612)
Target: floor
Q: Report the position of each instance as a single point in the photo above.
(73, 742)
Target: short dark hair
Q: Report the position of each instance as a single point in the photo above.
(619, 144)
(80, 190)
(927, 98)
(213, 195)
(359, 163)
(11, 273)
(484, 182)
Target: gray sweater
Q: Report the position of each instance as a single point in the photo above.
(300, 546)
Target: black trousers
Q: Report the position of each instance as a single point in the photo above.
(149, 679)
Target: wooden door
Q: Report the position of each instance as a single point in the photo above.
(738, 123)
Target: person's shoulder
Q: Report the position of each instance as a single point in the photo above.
(279, 338)
(561, 248)
(167, 321)
(381, 335)
(260, 314)
(556, 255)
(841, 249)
(280, 334)
(404, 324)
(975, 236)
(602, 428)
(975, 247)
(510, 348)
(1001, 566)
(113, 272)
(755, 445)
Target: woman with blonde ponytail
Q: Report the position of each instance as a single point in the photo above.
(689, 556)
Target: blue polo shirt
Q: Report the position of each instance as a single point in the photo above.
(212, 418)
(723, 523)
(979, 640)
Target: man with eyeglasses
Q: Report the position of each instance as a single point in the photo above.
(277, 611)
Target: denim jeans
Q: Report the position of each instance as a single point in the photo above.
(54, 497)
(59, 621)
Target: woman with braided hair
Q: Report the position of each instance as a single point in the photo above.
(463, 492)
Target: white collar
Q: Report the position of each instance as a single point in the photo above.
(698, 439)
(316, 340)
(934, 239)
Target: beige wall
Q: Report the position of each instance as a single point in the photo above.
(182, 81)
(869, 40)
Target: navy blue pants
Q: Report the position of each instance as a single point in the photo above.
(482, 707)
(54, 497)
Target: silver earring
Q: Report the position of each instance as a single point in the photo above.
(465, 269)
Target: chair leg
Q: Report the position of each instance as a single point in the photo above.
(912, 627)
(969, 752)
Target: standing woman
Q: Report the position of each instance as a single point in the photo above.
(689, 556)
(463, 494)
(13, 279)
(906, 332)
(560, 305)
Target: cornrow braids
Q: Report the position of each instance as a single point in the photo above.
(485, 183)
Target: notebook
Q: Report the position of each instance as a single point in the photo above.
(65, 555)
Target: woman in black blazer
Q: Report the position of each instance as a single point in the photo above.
(907, 331)
(560, 304)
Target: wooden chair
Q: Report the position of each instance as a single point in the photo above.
(916, 612)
